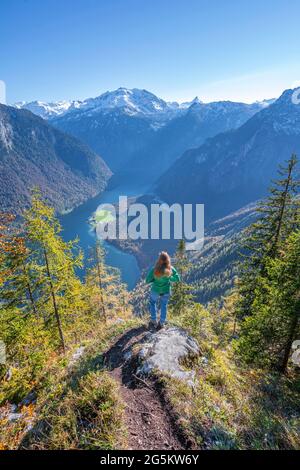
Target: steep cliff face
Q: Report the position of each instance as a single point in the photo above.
(34, 154)
(235, 168)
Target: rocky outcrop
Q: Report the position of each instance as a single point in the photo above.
(165, 352)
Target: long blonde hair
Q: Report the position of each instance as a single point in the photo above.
(163, 265)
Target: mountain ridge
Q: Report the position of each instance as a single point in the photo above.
(136, 100)
(134, 128)
(33, 153)
(234, 168)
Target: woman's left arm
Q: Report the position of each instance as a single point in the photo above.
(150, 277)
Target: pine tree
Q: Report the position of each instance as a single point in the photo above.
(288, 284)
(139, 299)
(267, 335)
(99, 264)
(108, 295)
(96, 278)
(181, 292)
(18, 286)
(277, 216)
(20, 325)
(11, 244)
(224, 316)
(60, 289)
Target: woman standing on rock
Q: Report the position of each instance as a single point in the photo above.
(161, 277)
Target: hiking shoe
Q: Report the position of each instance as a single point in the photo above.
(160, 326)
(152, 325)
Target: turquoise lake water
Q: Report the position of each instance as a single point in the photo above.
(75, 224)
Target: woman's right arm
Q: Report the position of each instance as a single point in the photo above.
(150, 277)
(175, 277)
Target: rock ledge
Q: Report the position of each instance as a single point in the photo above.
(164, 350)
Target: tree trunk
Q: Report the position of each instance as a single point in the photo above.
(282, 209)
(234, 324)
(31, 299)
(102, 306)
(56, 313)
(29, 290)
(288, 346)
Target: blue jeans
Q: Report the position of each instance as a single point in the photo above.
(164, 299)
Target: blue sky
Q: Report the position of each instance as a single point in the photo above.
(216, 49)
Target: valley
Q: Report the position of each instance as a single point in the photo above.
(222, 154)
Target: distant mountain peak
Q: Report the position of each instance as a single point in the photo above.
(265, 103)
(48, 110)
(131, 101)
(196, 100)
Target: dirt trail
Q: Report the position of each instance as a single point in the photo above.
(148, 418)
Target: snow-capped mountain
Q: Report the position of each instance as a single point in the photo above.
(133, 102)
(48, 110)
(265, 103)
(189, 129)
(136, 127)
(235, 167)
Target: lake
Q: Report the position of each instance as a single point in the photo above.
(75, 224)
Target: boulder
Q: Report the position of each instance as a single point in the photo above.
(296, 353)
(165, 350)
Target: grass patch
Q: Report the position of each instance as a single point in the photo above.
(68, 396)
(89, 416)
(233, 407)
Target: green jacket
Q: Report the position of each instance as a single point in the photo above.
(162, 285)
